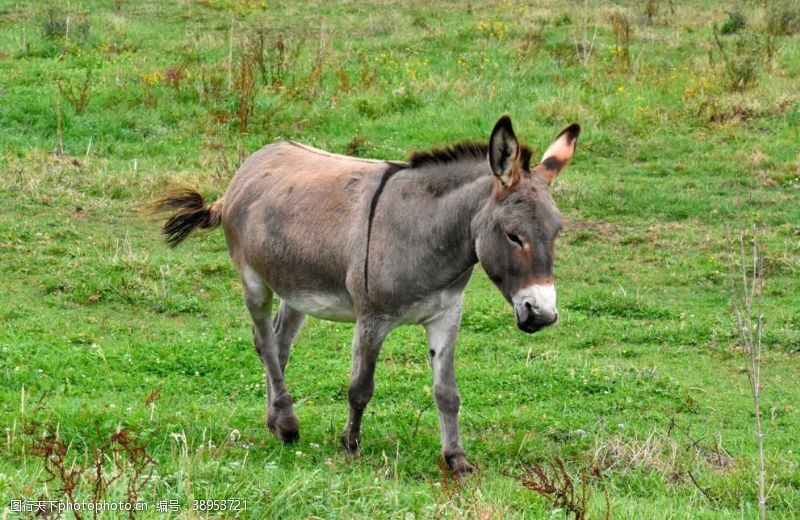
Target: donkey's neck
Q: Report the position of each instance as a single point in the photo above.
(457, 209)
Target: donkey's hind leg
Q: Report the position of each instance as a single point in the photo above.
(281, 419)
(287, 324)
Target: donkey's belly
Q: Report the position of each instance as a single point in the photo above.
(326, 306)
(431, 306)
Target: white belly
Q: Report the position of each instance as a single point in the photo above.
(333, 307)
(339, 307)
(432, 306)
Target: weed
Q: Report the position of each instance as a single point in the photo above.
(736, 22)
(345, 84)
(246, 85)
(621, 25)
(125, 451)
(783, 18)
(741, 67)
(131, 453)
(214, 157)
(356, 145)
(420, 21)
(553, 482)
(78, 96)
(740, 108)
(531, 45)
(54, 25)
(366, 73)
(259, 48)
(650, 10)
(174, 77)
(149, 82)
(212, 82)
(275, 53)
(459, 496)
(66, 476)
(65, 27)
(313, 82)
(655, 453)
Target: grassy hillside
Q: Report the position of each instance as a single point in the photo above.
(115, 348)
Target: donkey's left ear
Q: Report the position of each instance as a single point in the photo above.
(504, 153)
(558, 154)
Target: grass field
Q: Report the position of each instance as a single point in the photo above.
(112, 343)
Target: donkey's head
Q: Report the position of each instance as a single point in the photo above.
(516, 231)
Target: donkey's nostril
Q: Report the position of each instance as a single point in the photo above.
(531, 305)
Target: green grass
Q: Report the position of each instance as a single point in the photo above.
(103, 327)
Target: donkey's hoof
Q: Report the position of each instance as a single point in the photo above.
(351, 446)
(458, 464)
(286, 428)
(351, 453)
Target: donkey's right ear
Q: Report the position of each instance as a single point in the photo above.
(504, 153)
(558, 154)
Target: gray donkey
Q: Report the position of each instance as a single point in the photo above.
(381, 244)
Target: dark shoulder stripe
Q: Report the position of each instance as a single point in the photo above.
(390, 170)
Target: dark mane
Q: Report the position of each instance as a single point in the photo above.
(463, 150)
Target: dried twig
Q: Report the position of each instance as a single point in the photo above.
(584, 47)
(419, 417)
(747, 282)
(59, 137)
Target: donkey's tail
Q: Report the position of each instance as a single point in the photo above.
(190, 212)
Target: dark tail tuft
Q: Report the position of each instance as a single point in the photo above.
(190, 213)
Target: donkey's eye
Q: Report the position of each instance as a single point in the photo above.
(515, 239)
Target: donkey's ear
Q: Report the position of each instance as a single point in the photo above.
(558, 154)
(504, 153)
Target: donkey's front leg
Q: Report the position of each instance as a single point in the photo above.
(442, 332)
(367, 342)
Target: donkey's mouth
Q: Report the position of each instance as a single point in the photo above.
(534, 322)
(530, 329)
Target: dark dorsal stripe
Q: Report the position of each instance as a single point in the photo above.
(390, 170)
(465, 150)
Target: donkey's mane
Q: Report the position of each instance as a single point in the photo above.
(459, 151)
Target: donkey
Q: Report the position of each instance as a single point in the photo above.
(381, 244)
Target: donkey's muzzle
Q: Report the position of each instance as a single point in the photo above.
(535, 308)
